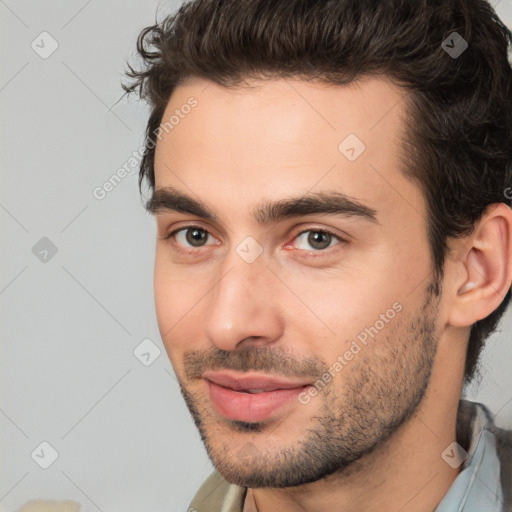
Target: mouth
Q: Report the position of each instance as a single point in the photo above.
(251, 397)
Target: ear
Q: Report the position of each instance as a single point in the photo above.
(483, 274)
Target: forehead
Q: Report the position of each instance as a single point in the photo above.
(283, 137)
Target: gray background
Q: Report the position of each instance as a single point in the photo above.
(70, 323)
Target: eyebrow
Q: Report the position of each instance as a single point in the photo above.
(333, 203)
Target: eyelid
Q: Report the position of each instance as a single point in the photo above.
(184, 228)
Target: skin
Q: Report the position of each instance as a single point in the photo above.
(373, 438)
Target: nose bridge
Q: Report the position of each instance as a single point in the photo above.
(242, 303)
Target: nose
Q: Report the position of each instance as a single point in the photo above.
(244, 306)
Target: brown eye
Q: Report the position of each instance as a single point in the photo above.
(319, 239)
(196, 237)
(191, 236)
(316, 239)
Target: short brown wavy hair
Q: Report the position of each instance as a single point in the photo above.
(459, 144)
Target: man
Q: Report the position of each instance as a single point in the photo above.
(331, 186)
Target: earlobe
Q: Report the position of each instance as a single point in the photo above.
(485, 271)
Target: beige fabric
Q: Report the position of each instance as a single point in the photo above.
(50, 506)
(218, 495)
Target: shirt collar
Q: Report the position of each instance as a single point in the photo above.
(477, 487)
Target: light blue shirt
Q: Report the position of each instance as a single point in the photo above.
(477, 487)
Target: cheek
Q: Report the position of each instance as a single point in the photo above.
(175, 298)
(163, 296)
(345, 301)
(349, 313)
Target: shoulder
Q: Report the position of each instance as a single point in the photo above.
(504, 450)
(216, 494)
(476, 416)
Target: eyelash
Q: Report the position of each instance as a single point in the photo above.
(309, 254)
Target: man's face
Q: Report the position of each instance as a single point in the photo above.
(328, 306)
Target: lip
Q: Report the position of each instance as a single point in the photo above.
(226, 392)
(244, 381)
